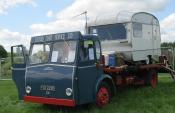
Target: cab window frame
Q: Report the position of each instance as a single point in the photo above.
(94, 51)
(98, 59)
(69, 63)
(31, 49)
(22, 55)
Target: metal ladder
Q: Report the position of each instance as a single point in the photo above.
(169, 68)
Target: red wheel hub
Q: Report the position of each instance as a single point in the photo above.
(154, 81)
(102, 97)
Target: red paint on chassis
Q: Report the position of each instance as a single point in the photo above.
(154, 80)
(53, 101)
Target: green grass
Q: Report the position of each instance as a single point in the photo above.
(128, 100)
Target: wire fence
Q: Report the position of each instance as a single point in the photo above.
(169, 52)
(6, 72)
(5, 69)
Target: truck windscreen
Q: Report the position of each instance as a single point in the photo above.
(39, 54)
(62, 52)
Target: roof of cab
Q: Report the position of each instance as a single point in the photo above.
(61, 36)
(56, 37)
(90, 37)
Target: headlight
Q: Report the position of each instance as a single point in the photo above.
(28, 89)
(68, 91)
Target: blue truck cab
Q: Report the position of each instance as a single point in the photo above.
(61, 69)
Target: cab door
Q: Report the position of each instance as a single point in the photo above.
(87, 72)
(18, 58)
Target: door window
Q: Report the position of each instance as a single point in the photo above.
(18, 56)
(87, 51)
(137, 29)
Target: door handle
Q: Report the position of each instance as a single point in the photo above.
(48, 69)
(76, 78)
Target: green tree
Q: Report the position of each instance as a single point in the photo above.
(3, 52)
(168, 44)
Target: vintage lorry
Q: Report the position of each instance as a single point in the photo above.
(68, 69)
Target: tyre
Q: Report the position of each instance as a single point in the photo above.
(151, 78)
(103, 95)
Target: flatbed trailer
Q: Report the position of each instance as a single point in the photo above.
(68, 69)
(138, 75)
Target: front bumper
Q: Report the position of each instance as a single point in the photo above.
(53, 101)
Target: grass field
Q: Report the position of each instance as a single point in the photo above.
(128, 100)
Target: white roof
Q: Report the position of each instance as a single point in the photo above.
(123, 17)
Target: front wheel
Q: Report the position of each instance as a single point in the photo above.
(103, 95)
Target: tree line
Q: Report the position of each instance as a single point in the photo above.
(168, 44)
(3, 52)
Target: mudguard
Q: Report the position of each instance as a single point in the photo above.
(104, 76)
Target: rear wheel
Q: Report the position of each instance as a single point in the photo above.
(152, 79)
(103, 95)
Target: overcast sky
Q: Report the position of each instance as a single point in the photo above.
(21, 19)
